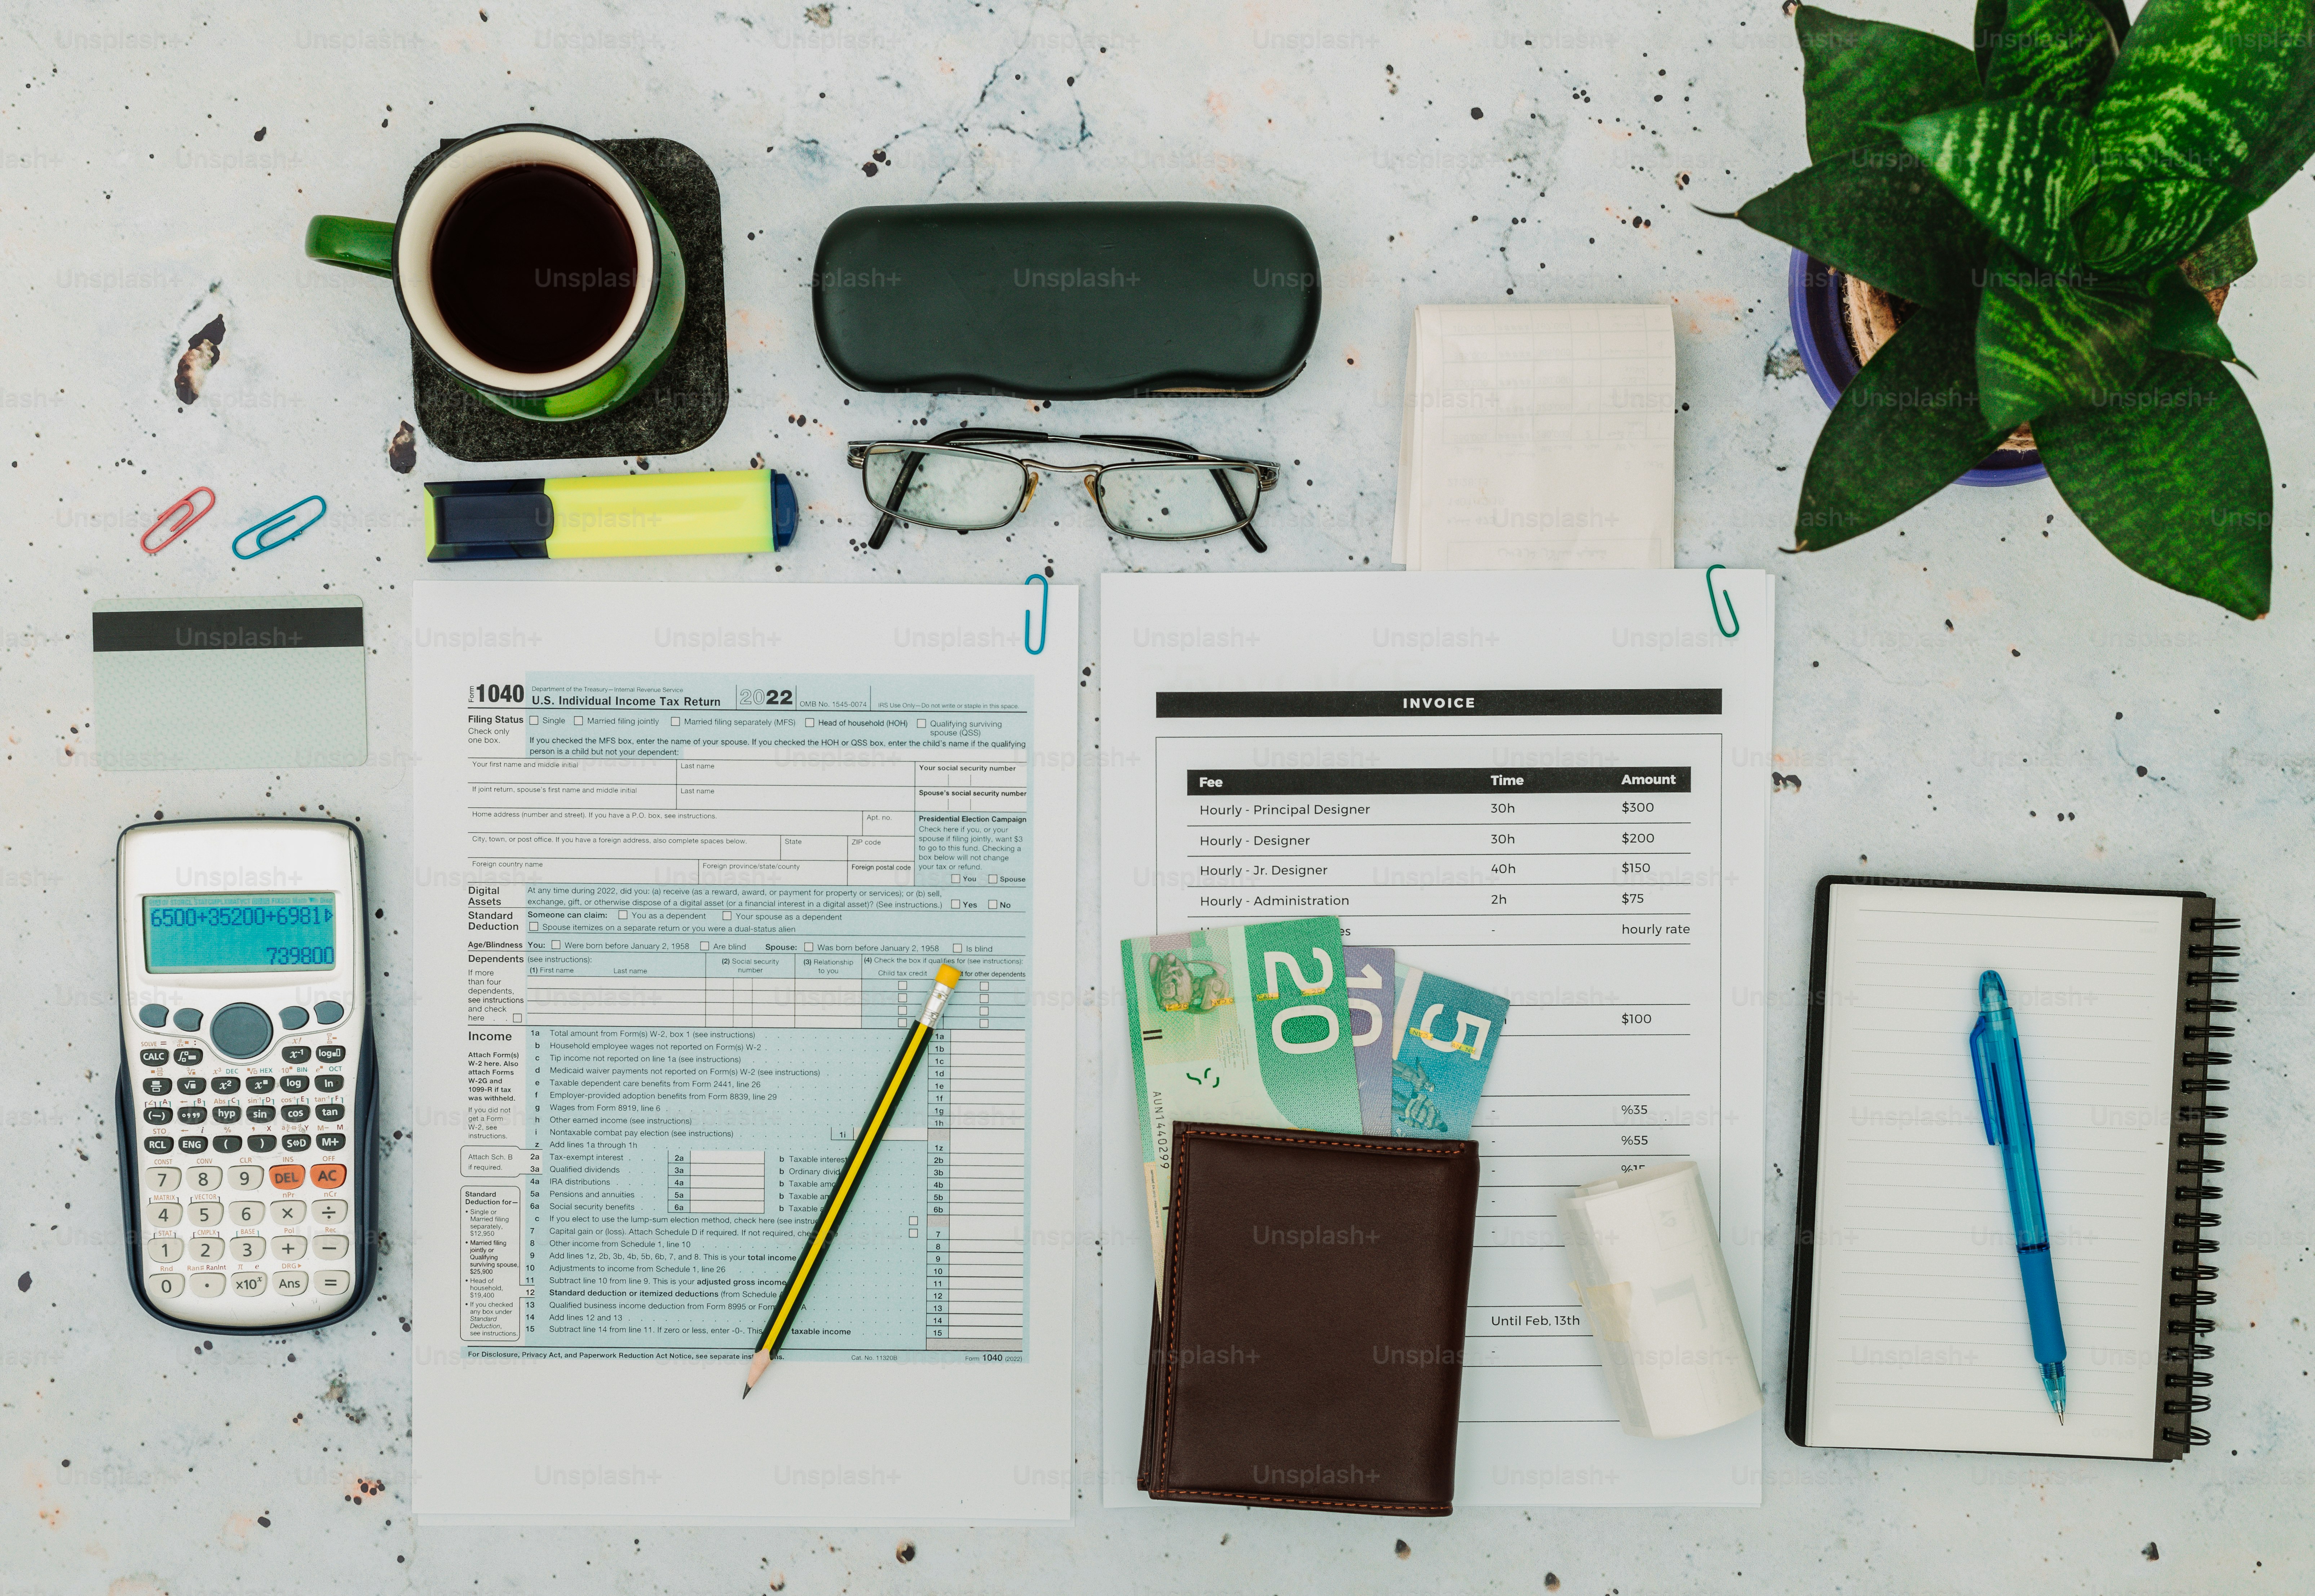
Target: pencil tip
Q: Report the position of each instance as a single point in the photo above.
(747, 1390)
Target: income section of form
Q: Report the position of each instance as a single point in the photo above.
(1555, 847)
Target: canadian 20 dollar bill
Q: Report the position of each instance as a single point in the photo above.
(1239, 1025)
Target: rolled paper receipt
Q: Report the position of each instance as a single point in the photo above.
(1655, 1288)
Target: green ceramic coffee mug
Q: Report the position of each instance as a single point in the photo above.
(531, 266)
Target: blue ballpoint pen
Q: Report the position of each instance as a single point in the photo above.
(2002, 1098)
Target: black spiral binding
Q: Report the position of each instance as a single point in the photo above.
(2184, 1383)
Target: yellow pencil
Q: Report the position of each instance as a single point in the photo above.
(863, 1147)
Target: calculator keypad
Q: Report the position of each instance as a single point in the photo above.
(254, 1219)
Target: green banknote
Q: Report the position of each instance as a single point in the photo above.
(1238, 1025)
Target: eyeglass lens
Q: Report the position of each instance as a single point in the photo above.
(951, 490)
(1166, 500)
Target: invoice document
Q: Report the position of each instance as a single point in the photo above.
(1548, 785)
(687, 860)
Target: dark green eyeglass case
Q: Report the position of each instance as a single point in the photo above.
(1066, 301)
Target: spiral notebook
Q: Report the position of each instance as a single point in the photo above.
(1909, 1321)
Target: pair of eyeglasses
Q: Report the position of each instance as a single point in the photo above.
(947, 483)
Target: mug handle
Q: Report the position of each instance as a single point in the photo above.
(351, 242)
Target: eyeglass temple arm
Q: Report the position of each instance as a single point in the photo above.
(990, 435)
(1222, 478)
(1136, 440)
(900, 491)
(909, 471)
(1230, 495)
(901, 485)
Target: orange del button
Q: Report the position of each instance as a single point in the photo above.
(329, 1175)
(289, 1177)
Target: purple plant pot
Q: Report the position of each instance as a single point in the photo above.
(1831, 363)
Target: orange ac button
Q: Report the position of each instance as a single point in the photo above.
(287, 1177)
(331, 1176)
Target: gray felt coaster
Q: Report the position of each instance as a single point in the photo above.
(684, 403)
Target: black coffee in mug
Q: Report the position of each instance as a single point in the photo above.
(534, 268)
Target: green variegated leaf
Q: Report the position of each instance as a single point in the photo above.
(2171, 474)
(2184, 321)
(2287, 144)
(2117, 17)
(2197, 87)
(1858, 77)
(2289, 138)
(2221, 258)
(2019, 165)
(2129, 228)
(1877, 213)
(2056, 51)
(1908, 425)
(2045, 340)
(1993, 16)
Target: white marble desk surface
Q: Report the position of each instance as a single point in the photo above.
(1979, 689)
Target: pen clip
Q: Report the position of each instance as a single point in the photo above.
(1981, 1060)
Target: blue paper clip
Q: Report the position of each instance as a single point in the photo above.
(1716, 598)
(278, 518)
(1043, 607)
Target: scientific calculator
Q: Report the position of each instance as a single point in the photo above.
(248, 1074)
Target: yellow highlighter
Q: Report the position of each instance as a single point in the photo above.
(571, 518)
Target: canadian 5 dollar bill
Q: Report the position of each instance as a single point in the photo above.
(1446, 1035)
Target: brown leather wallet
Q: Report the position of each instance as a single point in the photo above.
(1309, 1352)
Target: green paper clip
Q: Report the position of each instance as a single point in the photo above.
(1715, 598)
(278, 518)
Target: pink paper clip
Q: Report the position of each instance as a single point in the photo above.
(189, 516)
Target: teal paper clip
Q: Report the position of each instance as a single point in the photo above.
(1716, 598)
(278, 519)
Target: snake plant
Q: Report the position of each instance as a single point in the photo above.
(2054, 205)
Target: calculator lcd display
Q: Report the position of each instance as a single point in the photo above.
(213, 932)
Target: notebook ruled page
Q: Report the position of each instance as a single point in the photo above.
(1918, 1331)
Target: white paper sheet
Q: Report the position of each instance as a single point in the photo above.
(686, 859)
(1918, 1334)
(1538, 438)
(1597, 860)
